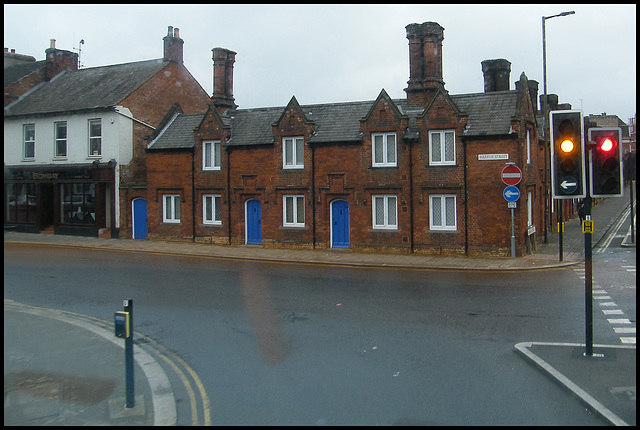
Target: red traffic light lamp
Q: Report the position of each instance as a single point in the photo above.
(606, 177)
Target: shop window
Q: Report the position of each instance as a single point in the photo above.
(78, 203)
(21, 203)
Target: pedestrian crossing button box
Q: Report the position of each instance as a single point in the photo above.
(121, 320)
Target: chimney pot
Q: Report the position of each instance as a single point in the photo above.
(496, 74)
(52, 44)
(425, 62)
(223, 60)
(173, 46)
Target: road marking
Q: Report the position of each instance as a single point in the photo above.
(613, 234)
(607, 303)
(612, 312)
(624, 330)
(630, 340)
(602, 297)
(619, 321)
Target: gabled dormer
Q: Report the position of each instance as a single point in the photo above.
(383, 110)
(293, 118)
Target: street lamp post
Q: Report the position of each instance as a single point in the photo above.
(545, 112)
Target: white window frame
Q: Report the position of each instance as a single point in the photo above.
(438, 149)
(293, 211)
(389, 219)
(58, 140)
(211, 161)
(30, 142)
(96, 137)
(389, 150)
(171, 208)
(209, 216)
(528, 146)
(293, 146)
(442, 206)
(530, 208)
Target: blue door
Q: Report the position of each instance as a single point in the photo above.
(340, 224)
(139, 219)
(254, 223)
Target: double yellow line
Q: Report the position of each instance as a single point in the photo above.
(157, 349)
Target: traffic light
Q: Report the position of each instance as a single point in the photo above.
(606, 162)
(567, 154)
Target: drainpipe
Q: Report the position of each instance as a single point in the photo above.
(193, 196)
(228, 149)
(466, 198)
(411, 193)
(313, 195)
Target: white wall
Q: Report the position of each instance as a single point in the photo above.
(117, 136)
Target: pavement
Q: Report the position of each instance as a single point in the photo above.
(82, 382)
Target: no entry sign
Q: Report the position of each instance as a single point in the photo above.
(511, 175)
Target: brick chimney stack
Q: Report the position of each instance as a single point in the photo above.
(58, 60)
(173, 46)
(496, 75)
(223, 60)
(425, 62)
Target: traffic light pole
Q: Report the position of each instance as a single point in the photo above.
(588, 280)
(560, 229)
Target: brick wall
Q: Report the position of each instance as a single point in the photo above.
(149, 104)
(169, 173)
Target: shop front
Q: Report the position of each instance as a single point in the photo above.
(65, 199)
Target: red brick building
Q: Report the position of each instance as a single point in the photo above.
(420, 174)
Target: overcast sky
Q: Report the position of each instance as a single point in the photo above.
(335, 53)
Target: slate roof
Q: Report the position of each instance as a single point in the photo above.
(178, 134)
(91, 88)
(20, 70)
(489, 114)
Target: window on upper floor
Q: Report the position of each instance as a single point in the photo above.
(212, 209)
(60, 137)
(293, 211)
(443, 212)
(95, 137)
(385, 212)
(171, 208)
(293, 152)
(528, 143)
(211, 155)
(442, 147)
(384, 150)
(29, 141)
